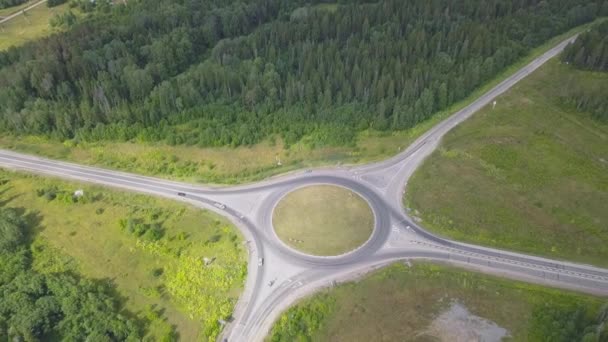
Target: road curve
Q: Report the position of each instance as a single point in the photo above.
(395, 237)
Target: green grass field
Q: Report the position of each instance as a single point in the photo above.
(323, 220)
(33, 25)
(400, 303)
(151, 249)
(530, 175)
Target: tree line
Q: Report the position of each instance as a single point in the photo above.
(37, 307)
(217, 73)
(588, 52)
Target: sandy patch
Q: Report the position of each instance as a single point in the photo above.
(457, 324)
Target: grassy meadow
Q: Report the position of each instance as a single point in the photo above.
(530, 175)
(323, 220)
(151, 249)
(400, 303)
(32, 25)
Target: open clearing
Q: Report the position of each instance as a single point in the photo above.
(323, 220)
(151, 249)
(402, 303)
(33, 25)
(530, 175)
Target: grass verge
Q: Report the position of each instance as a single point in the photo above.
(247, 164)
(401, 303)
(32, 25)
(5, 12)
(323, 220)
(532, 174)
(153, 250)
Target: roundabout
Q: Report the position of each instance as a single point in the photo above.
(323, 220)
(280, 270)
(366, 203)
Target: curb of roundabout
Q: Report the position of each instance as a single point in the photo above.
(376, 240)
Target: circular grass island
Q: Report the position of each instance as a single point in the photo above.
(323, 220)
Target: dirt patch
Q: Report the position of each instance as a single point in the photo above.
(457, 324)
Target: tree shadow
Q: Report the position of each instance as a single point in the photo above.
(32, 225)
(109, 287)
(5, 201)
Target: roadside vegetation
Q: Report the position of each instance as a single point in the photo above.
(402, 303)
(176, 270)
(529, 175)
(235, 74)
(32, 25)
(11, 6)
(229, 165)
(588, 52)
(38, 306)
(323, 220)
(11, 3)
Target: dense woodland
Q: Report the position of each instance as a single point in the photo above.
(589, 52)
(57, 306)
(217, 73)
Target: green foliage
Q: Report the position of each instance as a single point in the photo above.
(523, 180)
(52, 192)
(64, 20)
(201, 289)
(35, 306)
(157, 272)
(401, 302)
(302, 322)
(320, 74)
(560, 324)
(12, 230)
(139, 266)
(590, 50)
(138, 227)
(47, 259)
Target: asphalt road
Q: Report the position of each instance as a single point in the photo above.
(287, 274)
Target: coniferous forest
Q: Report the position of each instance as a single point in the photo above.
(225, 72)
(589, 52)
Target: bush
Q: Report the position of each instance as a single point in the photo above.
(157, 272)
(66, 19)
(48, 194)
(139, 228)
(154, 232)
